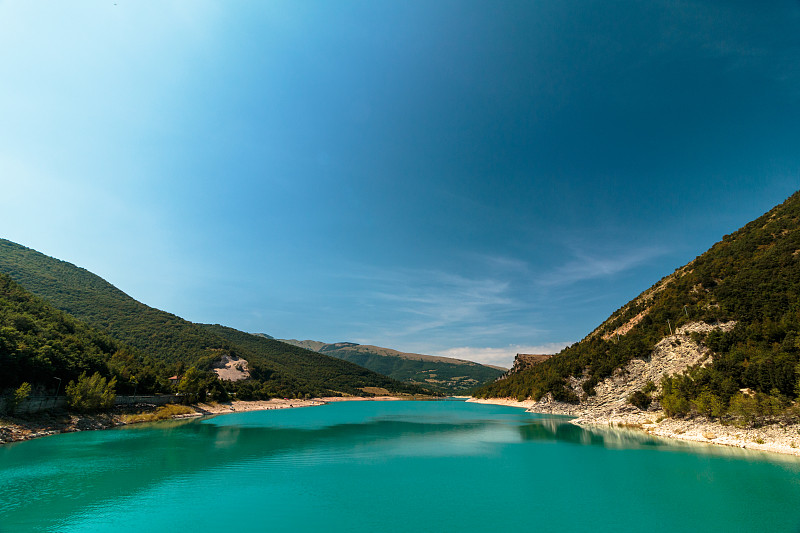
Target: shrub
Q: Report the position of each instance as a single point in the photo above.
(19, 396)
(640, 400)
(709, 404)
(217, 392)
(195, 383)
(162, 413)
(91, 393)
(744, 408)
(675, 404)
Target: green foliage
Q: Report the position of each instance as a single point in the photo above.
(753, 277)
(292, 372)
(164, 412)
(250, 390)
(120, 330)
(675, 404)
(19, 396)
(194, 384)
(709, 404)
(39, 343)
(640, 399)
(91, 393)
(595, 356)
(744, 408)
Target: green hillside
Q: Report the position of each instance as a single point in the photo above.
(751, 276)
(312, 370)
(39, 343)
(278, 368)
(445, 374)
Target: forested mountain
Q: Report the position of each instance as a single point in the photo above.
(751, 277)
(313, 370)
(42, 345)
(445, 374)
(177, 344)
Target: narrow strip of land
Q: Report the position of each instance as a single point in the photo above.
(15, 429)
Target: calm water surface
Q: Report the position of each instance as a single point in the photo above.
(389, 467)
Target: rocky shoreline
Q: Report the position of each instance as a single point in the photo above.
(17, 429)
(775, 438)
(783, 439)
(609, 405)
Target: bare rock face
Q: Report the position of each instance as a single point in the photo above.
(231, 368)
(523, 361)
(527, 360)
(672, 355)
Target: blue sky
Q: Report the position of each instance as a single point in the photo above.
(466, 178)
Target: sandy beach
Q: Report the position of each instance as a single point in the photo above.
(237, 406)
(770, 438)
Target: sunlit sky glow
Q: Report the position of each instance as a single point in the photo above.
(465, 178)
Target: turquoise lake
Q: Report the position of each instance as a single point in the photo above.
(445, 466)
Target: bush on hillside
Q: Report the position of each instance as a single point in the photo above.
(19, 396)
(640, 400)
(91, 393)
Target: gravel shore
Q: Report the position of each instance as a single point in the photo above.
(784, 439)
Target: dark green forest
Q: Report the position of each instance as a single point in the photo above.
(39, 344)
(751, 276)
(142, 346)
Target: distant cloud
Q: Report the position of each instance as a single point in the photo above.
(432, 300)
(501, 263)
(501, 356)
(587, 265)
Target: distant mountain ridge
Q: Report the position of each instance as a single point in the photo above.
(443, 373)
(276, 367)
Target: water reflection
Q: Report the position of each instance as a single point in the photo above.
(68, 474)
(87, 469)
(621, 438)
(560, 429)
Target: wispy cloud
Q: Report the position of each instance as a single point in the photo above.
(487, 315)
(503, 356)
(432, 299)
(500, 263)
(586, 265)
(442, 313)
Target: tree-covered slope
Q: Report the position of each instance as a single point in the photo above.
(167, 338)
(92, 299)
(751, 277)
(314, 370)
(445, 374)
(42, 345)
